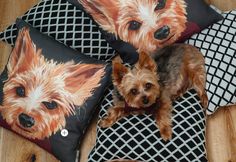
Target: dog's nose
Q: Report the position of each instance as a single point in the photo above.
(145, 100)
(162, 33)
(26, 121)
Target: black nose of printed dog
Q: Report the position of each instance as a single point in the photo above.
(162, 33)
(26, 121)
(145, 100)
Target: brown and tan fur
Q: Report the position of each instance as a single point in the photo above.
(39, 93)
(172, 71)
(136, 22)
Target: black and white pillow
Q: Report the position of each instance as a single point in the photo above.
(67, 24)
(218, 45)
(136, 137)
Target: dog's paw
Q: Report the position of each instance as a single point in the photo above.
(105, 122)
(166, 133)
(204, 100)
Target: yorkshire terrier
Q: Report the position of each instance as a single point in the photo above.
(146, 24)
(153, 83)
(39, 93)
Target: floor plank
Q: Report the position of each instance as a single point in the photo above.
(224, 5)
(221, 135)
(17, 149)
(11, 9)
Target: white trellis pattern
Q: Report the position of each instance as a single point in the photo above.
(137, 137)
(218, 45)
(67, 24)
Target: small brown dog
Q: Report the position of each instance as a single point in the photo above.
(152, 84)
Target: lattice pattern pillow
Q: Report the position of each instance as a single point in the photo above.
(67, 24)
(218, 44)
(137, 137)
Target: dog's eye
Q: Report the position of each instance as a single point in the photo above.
(20, 91)
(50, 105)
(160, 4)
(148, 86)
(134, 91)
(134, 25)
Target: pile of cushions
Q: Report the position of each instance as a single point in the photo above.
(65, 31)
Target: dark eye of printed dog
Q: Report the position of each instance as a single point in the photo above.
(50, 105)
(134, 91)
(148, 86)
(160, 4)
(134, 25)
(20, 91)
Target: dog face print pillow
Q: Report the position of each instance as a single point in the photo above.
(148, 25)
(39, 93)
(49, 92)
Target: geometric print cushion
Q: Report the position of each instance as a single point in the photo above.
(67, 24)
(218, 45)
(136, 137)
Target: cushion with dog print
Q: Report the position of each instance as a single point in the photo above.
(49, 92)
(148, 25)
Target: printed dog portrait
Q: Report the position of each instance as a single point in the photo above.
(40, 93)
(146, 24)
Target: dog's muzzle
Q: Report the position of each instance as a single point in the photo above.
(145, 100)
(25, 120)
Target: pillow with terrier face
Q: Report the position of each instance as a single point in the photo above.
(49, 92)
(149, 24)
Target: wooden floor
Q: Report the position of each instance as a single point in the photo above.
(221, 127)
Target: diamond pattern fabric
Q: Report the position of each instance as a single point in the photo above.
(67, 24)
(137, 136)
(218, 45)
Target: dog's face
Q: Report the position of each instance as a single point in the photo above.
(38, 93)
(146, 24)
(151, 24)
(139, 85)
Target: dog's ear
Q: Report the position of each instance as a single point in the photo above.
(82, 79)
(118, 71)
(104, 12)
(145, 61)
(24, 54)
